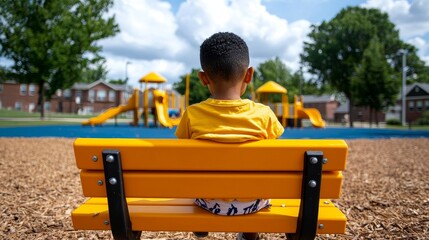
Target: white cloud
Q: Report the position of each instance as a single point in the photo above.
(140, 67)
(147, 39)
(148, 30)
(267, 35)
(411, 18)
(155, 39)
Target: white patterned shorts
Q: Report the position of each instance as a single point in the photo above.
(221, 207)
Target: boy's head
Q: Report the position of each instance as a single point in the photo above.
(224, 57)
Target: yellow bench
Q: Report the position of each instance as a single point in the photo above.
(148, 184)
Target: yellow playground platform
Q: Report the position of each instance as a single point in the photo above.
(282, 109)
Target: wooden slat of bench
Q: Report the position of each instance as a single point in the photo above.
(169, 154)
(190, 202)
(181, 184)
(193, 218)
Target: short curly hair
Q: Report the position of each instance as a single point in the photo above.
(224, 56)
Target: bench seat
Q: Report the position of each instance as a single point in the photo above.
(182, 215)
(138, 185)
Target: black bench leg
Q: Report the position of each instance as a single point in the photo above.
(310, 197)
(120, 222)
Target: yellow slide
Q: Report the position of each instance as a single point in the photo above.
(114, 111)
(313, 114)
(161, 105)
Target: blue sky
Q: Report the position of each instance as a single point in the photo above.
(292, 10)
(165, 35)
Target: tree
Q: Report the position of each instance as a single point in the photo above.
(275, 70)
(51, 42)
(95, 73)
(272, 70)
(298, 85)
(336, 47)
(373, 85)
(197, 92)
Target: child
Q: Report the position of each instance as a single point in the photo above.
(225, 117)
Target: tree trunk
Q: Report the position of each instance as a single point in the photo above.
(41, 100)
(376, 117)
(370, 117)
(350, 112)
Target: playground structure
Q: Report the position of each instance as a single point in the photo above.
(161, 101)
(159, 104)
(132, 105)
(282, 110)
(307, 113)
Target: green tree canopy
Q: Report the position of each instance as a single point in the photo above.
(51, 42)
(373, 85)
(336, 47)
(197, 92)
(94, 73)
(275, 70)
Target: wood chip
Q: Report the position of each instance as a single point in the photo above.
(385, 191)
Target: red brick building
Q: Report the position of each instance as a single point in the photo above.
(326, 104)
(22, 97)
(417, 101)
(81, 98)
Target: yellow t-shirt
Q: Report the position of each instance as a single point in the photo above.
(229, 121)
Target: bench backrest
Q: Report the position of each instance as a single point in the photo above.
(172, 168)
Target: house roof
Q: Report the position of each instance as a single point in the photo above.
(271, 87)
(343, 107)
(424, 86)
(86, 86)
(318, 99)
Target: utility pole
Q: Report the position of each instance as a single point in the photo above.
(404, 76)
(126, 70)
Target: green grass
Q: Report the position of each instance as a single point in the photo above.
(34, 123)
(413, 127)
(21, 114)
(33, 119)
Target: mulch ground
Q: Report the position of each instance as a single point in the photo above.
(385, 192)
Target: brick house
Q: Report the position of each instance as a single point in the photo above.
(358, 114)
(81, 98)
(22, 97)
(417, 101)
(326, 104)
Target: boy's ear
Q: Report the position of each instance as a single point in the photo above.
(203, 78)
(249, 75)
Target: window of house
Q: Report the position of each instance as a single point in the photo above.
(101, 95)
(411, 106)
(419, 105)
(112, 95)
(32, 89)
(79, 93)
(427, 104)
(91, 95)
(47, 106)
(18, 105)
(23, 89)
(67, 93)
(88, 110)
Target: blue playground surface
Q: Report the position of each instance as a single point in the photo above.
(126, 131)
